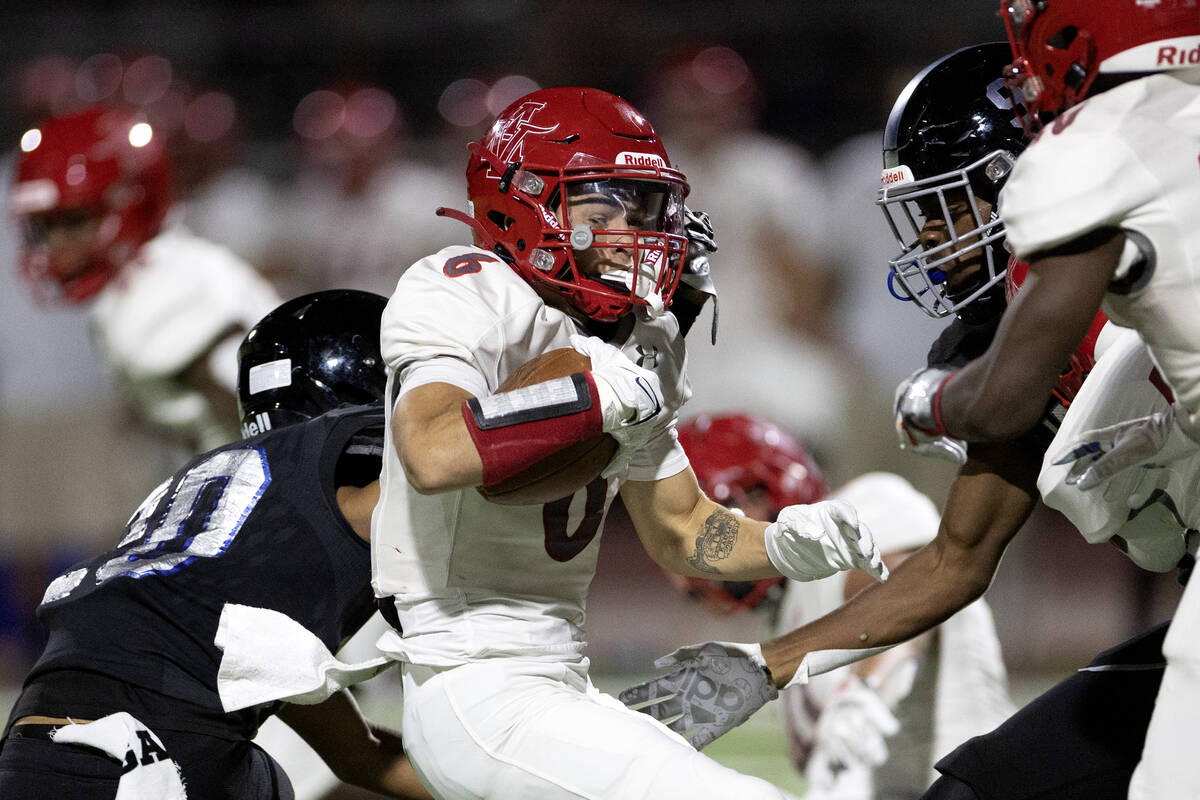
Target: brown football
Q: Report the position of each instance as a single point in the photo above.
(566, 471)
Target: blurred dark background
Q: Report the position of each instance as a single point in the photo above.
(824, 74)
(820, 62)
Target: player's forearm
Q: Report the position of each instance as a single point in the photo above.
(989, 502)
(432, 440)
(689, 534)
(387, 770)
(724, 546)
(357, 751)
(921, 593)
(1002, 394)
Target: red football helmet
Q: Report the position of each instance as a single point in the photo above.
(573, 188)
(102, 171)
(747, 463)
(1060, 46)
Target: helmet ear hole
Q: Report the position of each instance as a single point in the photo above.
(500, 219)
(1062, 40)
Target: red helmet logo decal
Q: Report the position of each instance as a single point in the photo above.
(511, 133)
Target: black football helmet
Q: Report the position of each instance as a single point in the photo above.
(953, 135)
(310, 355)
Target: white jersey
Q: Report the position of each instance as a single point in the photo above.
(957, 688)
(1127, 158)
(472, 579)
(1145, 512)
(174, 301)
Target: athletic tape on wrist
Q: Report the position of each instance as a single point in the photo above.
(514, 430)
(939, 427)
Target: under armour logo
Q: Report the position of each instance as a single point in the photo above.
(647, 356)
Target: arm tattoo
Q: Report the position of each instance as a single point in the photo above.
(715, 542)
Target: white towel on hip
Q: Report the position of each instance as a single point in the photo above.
(269, 656)
(149, 770)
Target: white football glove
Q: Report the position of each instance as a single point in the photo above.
(1151, 442)
(854, 725)
(808, 542)
(915, 423)
(630, 398)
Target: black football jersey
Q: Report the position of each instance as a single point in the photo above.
(255, 523)
(960, 343)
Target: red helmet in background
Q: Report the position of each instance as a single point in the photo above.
(561, 142)
(747, 463)
(103, 165)
(1060, 46)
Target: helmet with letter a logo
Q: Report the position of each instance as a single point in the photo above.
(1059, 47)
(573, 188)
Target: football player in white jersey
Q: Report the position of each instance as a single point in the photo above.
(950, 132)
(578, 219)
(872, 729)
(93, 194)
(1101, 206)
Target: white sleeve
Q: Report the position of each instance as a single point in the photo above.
(442, 370)
(1067, 185)
(175, 302)
(481, 317)
(659, 458)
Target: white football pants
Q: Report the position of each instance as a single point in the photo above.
(528, 730)
(1167, 770)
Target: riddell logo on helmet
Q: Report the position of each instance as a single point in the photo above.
(261, 424)
(628, 159)
(1164, 54)
(1174, 57)
(895, 175)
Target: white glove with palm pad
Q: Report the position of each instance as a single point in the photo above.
(854, 726)
(808, 542)
(710, 689)
(630, 398)
(1151, 441)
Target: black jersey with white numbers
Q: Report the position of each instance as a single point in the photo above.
(254, 523)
